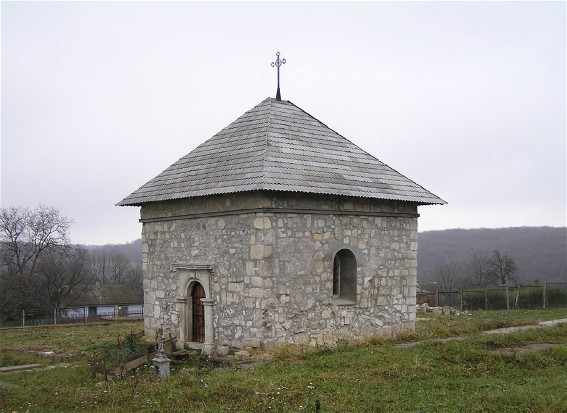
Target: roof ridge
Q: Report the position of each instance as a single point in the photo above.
(266, 140)
(331, 129)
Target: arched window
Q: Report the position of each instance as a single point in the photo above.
(344, 275)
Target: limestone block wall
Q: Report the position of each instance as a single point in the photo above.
(269, 258)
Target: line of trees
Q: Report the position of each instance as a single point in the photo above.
(113, 267)
(480, 271)
(40, 269)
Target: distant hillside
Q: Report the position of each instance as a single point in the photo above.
(132, 250)
(539, 252)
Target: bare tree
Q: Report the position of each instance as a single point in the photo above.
(134, 275)
(480, 271)
(119, 267)
(504, 268)
(20, 292)
(108, 266)
(64, 275)
(25, 236)
(448, 275)
(100, 266)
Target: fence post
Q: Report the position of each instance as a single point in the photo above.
(517, 303)
(23, 318)
(544, 294)
(461, 307)
(486, 299)
(54, 316)
(437, 298)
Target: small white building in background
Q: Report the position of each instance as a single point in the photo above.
(108, 301)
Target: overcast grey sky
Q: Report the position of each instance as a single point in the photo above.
(465, 98)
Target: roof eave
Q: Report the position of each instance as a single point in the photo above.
(433, 200)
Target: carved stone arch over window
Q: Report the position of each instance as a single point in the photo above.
(344, 275)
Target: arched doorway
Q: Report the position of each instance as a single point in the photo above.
(197, 313)
(195, 307)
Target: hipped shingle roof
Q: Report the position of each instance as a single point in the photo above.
(276, 146)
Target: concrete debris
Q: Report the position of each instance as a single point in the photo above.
(241, 355)
(446, 310)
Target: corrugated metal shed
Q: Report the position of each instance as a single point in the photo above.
(276, 146)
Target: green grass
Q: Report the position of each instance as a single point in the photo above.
(70, 341)
(472, 375)
(430, 326)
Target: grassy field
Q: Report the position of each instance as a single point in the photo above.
(21, 345)
(524, 371)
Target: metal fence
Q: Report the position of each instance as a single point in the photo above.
(47, 318)
(520, 296)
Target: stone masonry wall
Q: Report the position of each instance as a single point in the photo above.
(272, 260)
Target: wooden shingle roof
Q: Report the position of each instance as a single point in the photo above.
(276, 146)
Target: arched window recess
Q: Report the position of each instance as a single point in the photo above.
(344, 277)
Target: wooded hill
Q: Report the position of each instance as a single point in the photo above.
(539, 252)
(131, 250)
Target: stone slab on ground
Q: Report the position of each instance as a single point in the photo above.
(506, 330)
(20, 367)
(541, 324)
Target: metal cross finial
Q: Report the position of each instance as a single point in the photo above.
(277, 64)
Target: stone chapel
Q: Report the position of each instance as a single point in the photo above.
(278, 230)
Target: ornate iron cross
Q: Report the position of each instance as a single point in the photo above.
(277, 64)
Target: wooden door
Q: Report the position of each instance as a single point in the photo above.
(198, 321)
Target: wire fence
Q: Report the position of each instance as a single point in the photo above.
(39, 318)
(520, 296)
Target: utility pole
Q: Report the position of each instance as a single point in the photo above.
(507, 289)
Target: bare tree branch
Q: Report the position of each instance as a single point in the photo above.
(480, 272)
(25, 236)
(504, 268)
(64, 274)
(448, 275)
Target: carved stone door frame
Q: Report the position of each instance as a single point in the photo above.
(189, 274)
